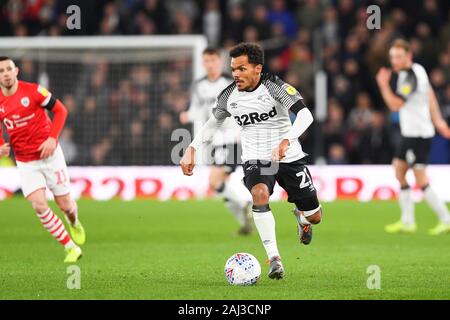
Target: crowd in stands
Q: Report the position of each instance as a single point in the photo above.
(359, 129)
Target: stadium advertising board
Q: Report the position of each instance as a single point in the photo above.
(363, 183)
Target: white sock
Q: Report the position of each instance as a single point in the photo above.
(265, 223)
(70, 245)
(437, 204)
(236, 192)
(237, 212)
(238, 198)
(301, 218)
(407, 206)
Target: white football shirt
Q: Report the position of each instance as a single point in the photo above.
(263, 117)
(413, 87)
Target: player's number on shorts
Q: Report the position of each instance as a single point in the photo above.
(305, 179)
(61, 177)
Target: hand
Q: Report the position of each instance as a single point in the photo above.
(383, 77)
(188, 161)
(184, 117)
(280, 152)
(5, 150)
(443, 129)
(47, 148)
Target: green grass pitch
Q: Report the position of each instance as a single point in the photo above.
(177, 250)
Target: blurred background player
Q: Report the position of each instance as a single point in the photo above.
(226, 151)
(408, 91)
(271, 152)
(40, 160)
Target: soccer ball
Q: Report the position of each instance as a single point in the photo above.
(242, 269)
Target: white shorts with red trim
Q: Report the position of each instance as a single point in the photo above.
(40, 174)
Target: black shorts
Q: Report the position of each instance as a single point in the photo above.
(294, 177)
(227, 156)
(414, 150)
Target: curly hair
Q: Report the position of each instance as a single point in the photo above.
(253, 51)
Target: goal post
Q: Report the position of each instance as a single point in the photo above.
(17, 47)
(124, 93)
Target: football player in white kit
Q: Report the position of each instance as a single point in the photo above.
(226, 150)
(409, 92)
(260, 104)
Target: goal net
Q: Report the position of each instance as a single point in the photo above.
(124, 94)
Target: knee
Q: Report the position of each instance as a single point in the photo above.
(260, 195)
(40, 206)
(316, 217)
(400, 176)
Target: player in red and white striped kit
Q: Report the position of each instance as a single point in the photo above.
(40, 160)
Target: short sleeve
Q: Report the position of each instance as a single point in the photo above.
(220, 110)
(283, 92)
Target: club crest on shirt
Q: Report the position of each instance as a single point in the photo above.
(264, 98)
(406, 89)
(2, 109)
(25, 102)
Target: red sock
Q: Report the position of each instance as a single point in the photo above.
(55, 227)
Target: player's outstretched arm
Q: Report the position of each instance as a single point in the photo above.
(394, 102)
(205, 135)
(48, 147)
(436, 116)
(303, 120)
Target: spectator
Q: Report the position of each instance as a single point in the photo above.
(212, 22)
(68, 145)
(259, 21)
(431, 16)
(334, 128)
(182, 23)
(346, 8)
(301, 64)
(310, 14)
(330, 26)
(375, 145)
(109, 25)
(112, 103)
(157, 12)
(360, 117)
(278, 14)
(235, 23)
(336, 155)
